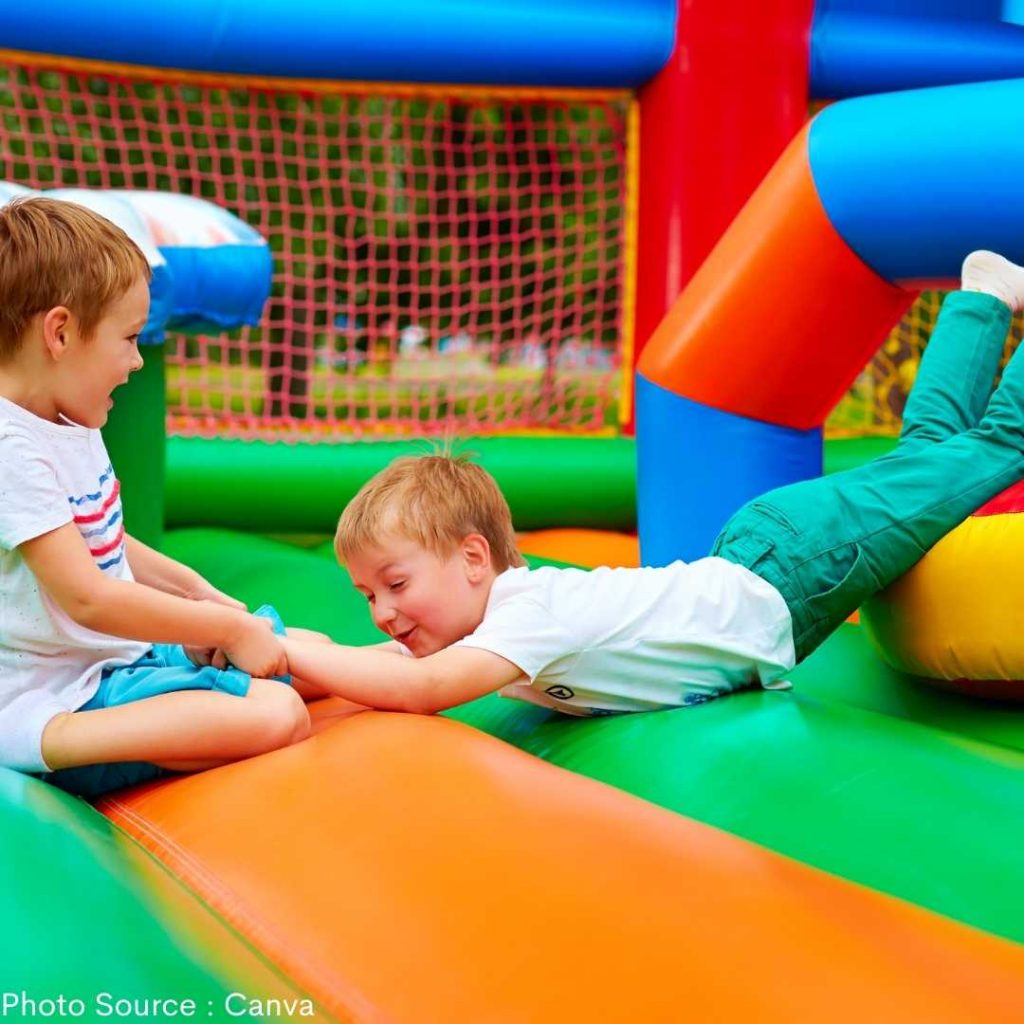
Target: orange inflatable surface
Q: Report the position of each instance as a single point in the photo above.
(411, 869)
(589, 548)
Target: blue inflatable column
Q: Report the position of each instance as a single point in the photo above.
(718, 462)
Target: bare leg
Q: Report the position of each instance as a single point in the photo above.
(193, 727)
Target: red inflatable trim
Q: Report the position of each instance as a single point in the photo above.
(1009, 501)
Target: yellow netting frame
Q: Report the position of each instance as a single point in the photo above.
(874, 404)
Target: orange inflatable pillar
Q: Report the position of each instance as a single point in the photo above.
(781, 316)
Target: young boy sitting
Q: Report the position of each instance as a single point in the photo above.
(429, 542)
(82, 603)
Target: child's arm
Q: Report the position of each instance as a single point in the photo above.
(393, 682)
(65, 569)
(155, 570)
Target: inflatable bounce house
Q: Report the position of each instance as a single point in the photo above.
(605, 246)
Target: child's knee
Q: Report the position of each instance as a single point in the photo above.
(280, 716)
(53, 745)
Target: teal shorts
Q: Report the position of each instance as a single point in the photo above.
(165, 668)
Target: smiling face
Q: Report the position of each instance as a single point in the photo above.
(90, 367)
(424, 601)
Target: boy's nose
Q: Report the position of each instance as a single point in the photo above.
(382, 615)
(137, 363)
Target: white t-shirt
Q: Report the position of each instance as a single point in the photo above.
(613, 640)
(51, 474)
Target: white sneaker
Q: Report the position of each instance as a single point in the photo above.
(988, 272)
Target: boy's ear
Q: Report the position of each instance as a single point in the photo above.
(57, 324)
(476, 556)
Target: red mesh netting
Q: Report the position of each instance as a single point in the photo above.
(442, 262)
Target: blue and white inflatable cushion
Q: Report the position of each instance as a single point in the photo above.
(211, 271)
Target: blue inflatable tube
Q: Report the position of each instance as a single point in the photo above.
(610, 43)
(913, 181)
(986, 10)
(217, 289)
(685, 449)
(857, 53)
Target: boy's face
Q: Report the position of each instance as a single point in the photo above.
(423, 601)
(92, 367)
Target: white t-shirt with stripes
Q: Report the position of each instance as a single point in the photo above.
(51, 474)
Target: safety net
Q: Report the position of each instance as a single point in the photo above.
(445, 259)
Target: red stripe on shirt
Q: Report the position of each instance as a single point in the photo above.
(107, 548)
(95, 517)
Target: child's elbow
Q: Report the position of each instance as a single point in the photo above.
(98, 606)
(85, 607)
(425, 697)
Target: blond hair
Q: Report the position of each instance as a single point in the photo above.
(55, 253)
(434, 500)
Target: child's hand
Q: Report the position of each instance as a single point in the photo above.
(203, 656)
(255, 649)
(200, 589)
(199, 656)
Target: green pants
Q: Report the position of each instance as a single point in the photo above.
(829, 544)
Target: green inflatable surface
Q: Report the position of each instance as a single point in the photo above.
(90, 918)
(278, 488)
(858, 770)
